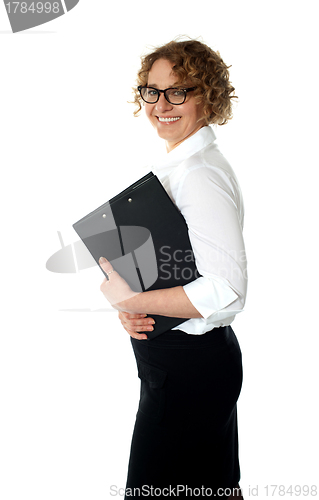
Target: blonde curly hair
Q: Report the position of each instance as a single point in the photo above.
(196, 65)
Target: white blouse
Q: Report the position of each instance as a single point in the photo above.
(204, 187)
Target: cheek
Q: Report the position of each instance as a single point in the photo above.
(148, 110)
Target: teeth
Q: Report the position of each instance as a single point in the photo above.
(168, 119)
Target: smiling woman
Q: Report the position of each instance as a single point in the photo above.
(172, 123)
(195, 65)
(186, 425)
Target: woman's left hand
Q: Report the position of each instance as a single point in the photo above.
(115, 288)
(136, 325)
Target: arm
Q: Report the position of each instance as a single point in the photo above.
(134, 306)
(211, 204)
(171, 302)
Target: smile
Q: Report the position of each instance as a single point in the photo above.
(168, 120)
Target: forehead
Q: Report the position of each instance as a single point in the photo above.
(161, 74)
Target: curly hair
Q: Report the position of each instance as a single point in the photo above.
(196, 65)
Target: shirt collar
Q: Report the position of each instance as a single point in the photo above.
(202, 138)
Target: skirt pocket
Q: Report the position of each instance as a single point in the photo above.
(152, 397)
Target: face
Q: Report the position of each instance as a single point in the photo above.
(174, 123)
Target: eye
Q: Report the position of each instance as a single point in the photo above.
(151, 92)
(178, 93)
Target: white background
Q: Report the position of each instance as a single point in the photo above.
(69, 388)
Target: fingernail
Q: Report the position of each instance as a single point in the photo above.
(102, 260)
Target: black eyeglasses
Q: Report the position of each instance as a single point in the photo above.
(173, 95)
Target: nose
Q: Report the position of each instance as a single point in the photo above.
(162, 104)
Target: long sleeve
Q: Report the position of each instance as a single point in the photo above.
(211, 203)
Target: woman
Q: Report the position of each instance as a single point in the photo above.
(185, 435)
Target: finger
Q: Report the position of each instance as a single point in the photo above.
(131, 316)
(137, 328)
(138, 322)
(139, 325)
(105, 265)
(141, 319)
(137, 336)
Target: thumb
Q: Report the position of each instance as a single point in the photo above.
(105, 265)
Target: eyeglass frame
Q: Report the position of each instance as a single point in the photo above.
(159, 91)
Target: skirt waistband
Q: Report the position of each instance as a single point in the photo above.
(177, 339)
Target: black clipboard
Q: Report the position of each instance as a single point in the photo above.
(145, 237)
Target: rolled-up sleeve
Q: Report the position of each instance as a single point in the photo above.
(209, 296)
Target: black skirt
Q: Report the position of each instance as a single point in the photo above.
(185, 434)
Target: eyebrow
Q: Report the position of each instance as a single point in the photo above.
(175, 86)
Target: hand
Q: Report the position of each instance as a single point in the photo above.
(134, 323)
(115, 288)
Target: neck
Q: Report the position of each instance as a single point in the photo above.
(171, 145)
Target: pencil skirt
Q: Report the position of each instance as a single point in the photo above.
(185, 434)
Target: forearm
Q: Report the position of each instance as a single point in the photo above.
(171, 302)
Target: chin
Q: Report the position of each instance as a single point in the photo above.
(163, 134)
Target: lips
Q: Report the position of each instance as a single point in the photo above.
(171, 119)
